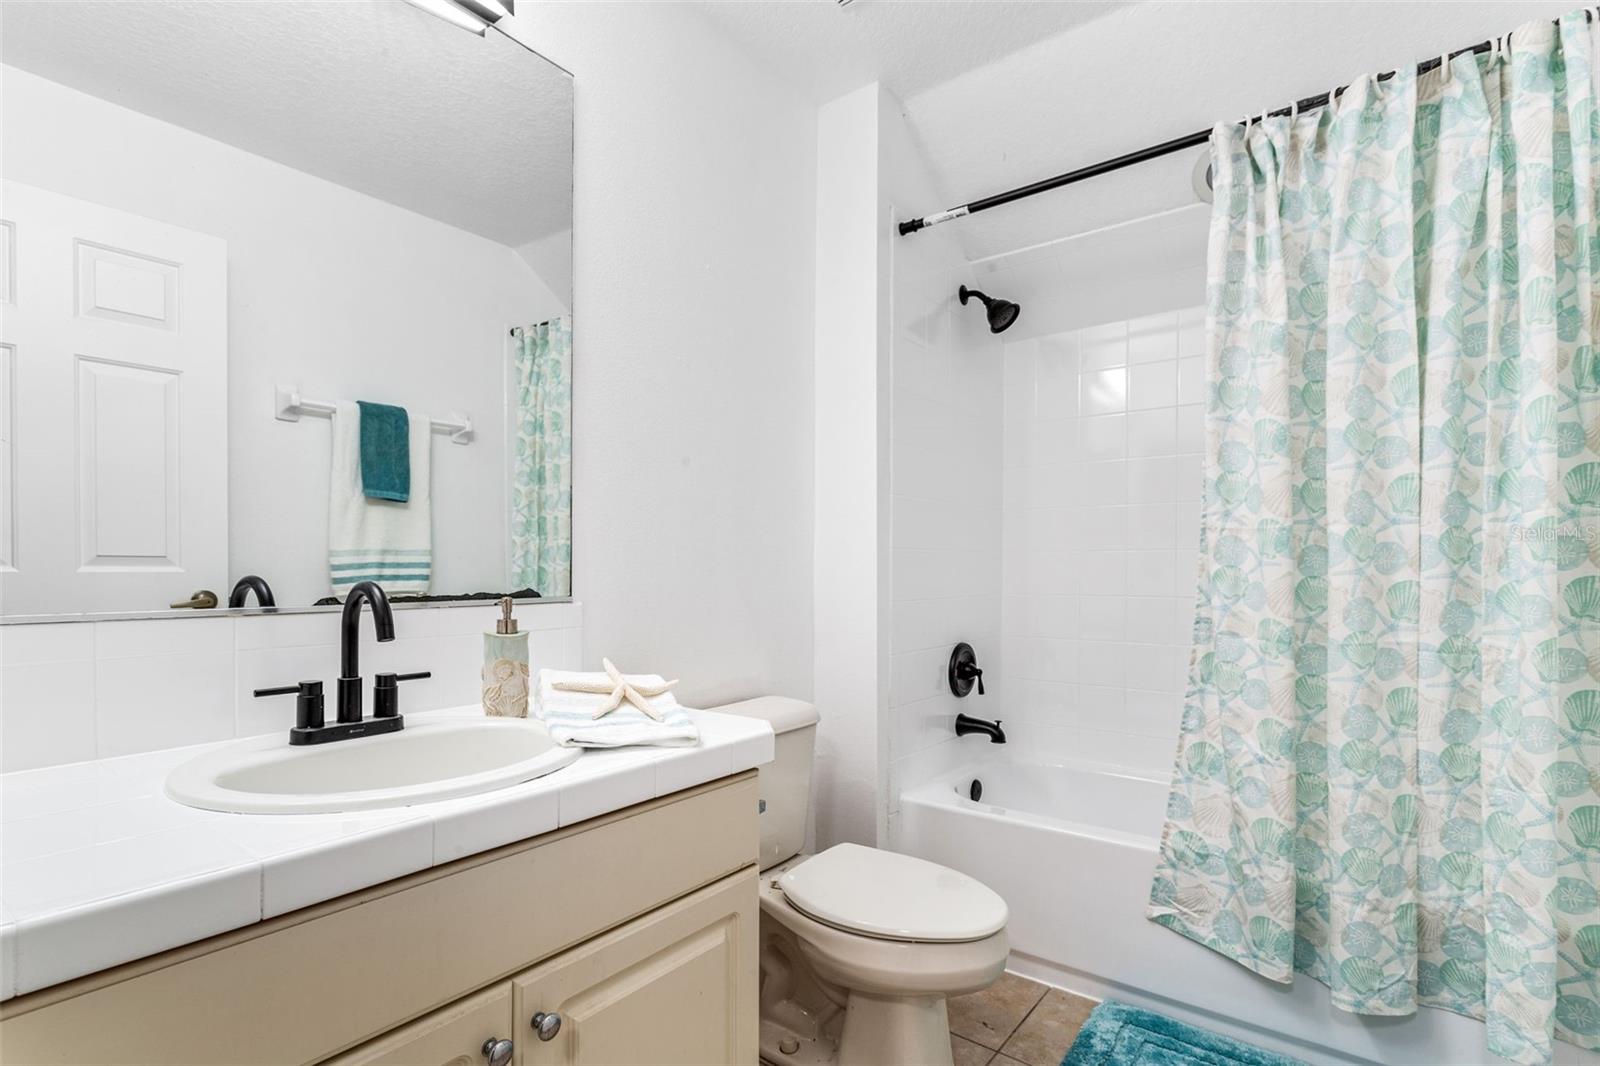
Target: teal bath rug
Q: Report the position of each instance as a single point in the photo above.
(1119, 1035)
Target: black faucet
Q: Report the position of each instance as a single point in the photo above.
(965, 724)
(386, 718)
(248, 584)
(350, 642)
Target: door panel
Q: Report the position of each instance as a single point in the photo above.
(116, 433)
(450, 1036)
(676, 987)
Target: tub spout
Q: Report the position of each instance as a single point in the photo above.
(965, 724)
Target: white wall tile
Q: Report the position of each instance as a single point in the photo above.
(46, 714)
(146, 637)
(1103, 392)
(1152, 433)
(1103, 438)
(1152, 385)
(1153, 338)
(1103, 346)
(1099, 541)
(163, 701)
(1192, 380)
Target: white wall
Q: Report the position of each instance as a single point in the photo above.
(945, 492)
(695, 191)
(851, 428)
(348, 296)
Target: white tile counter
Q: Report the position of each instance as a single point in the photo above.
(98, 867)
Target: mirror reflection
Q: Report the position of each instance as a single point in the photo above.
(287, 304)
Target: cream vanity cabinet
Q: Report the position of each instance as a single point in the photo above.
(631, 938)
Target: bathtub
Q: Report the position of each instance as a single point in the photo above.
(1072, 848)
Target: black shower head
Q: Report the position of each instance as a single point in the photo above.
(1001, 312)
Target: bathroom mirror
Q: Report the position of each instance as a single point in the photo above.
(219, 223)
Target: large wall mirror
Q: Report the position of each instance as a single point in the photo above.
(234, 240)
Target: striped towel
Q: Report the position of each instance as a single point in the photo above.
(570, 715)
(387, 541)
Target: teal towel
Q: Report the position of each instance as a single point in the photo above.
(385, 452)
(1119, 1035)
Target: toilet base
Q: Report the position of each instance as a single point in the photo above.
(880, 1029)
(877, 1030)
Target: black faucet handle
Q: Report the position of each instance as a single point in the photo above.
(308, 705)
(386, 692)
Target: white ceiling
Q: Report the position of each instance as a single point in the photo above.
(375, 95)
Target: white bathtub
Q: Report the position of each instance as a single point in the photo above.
(1072, 848)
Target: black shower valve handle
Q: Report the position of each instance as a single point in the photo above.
(963, 670)
(972, 672)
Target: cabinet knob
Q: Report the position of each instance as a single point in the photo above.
(497, 1052)
(546, 1024)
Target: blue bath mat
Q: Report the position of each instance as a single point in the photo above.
(1119, 1035)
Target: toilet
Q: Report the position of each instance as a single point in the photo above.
(859, 947)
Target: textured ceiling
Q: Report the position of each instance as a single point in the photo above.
(375, 95)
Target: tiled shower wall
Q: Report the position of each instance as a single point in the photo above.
(944, 519)
(1103, 436)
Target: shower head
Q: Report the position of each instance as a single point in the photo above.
(1001, 312)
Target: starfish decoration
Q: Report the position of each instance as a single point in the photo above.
(619, 690)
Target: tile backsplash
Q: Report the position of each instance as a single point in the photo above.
(86, 690)
(1102, 455)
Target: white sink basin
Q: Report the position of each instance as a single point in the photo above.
(425, 761)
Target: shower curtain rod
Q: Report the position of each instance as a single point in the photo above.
(1177, 144)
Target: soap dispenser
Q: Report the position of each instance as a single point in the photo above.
(505, 667)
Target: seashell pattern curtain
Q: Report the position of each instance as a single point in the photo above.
(1390, 751)
(541, 458)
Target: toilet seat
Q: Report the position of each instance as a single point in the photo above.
(888, 896)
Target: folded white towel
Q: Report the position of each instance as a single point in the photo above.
(570, 715)
(378, 540)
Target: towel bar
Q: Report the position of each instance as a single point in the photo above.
(289, 405)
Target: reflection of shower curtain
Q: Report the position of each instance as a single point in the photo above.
(541, 470)
(1391, 739)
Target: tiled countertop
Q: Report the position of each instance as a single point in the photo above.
(98, 867)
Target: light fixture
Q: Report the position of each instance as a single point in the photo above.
(475, 16)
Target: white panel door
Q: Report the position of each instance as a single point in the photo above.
(113, 408)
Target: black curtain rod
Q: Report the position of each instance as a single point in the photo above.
(1177, 144)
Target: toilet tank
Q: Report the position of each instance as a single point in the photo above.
(785, 782)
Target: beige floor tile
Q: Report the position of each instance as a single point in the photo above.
(966, 1053)
(1049, 1030)
(1006, 1060)
(990, 1016)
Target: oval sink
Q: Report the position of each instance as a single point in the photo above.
(426, 761)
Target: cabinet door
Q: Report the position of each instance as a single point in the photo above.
(677, 986)
(450, 1036)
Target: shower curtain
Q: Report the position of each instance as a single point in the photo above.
(1390, 747)
(541, 468)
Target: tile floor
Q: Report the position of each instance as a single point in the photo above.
(1016, 1022)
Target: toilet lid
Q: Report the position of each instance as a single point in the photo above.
(891, 896)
